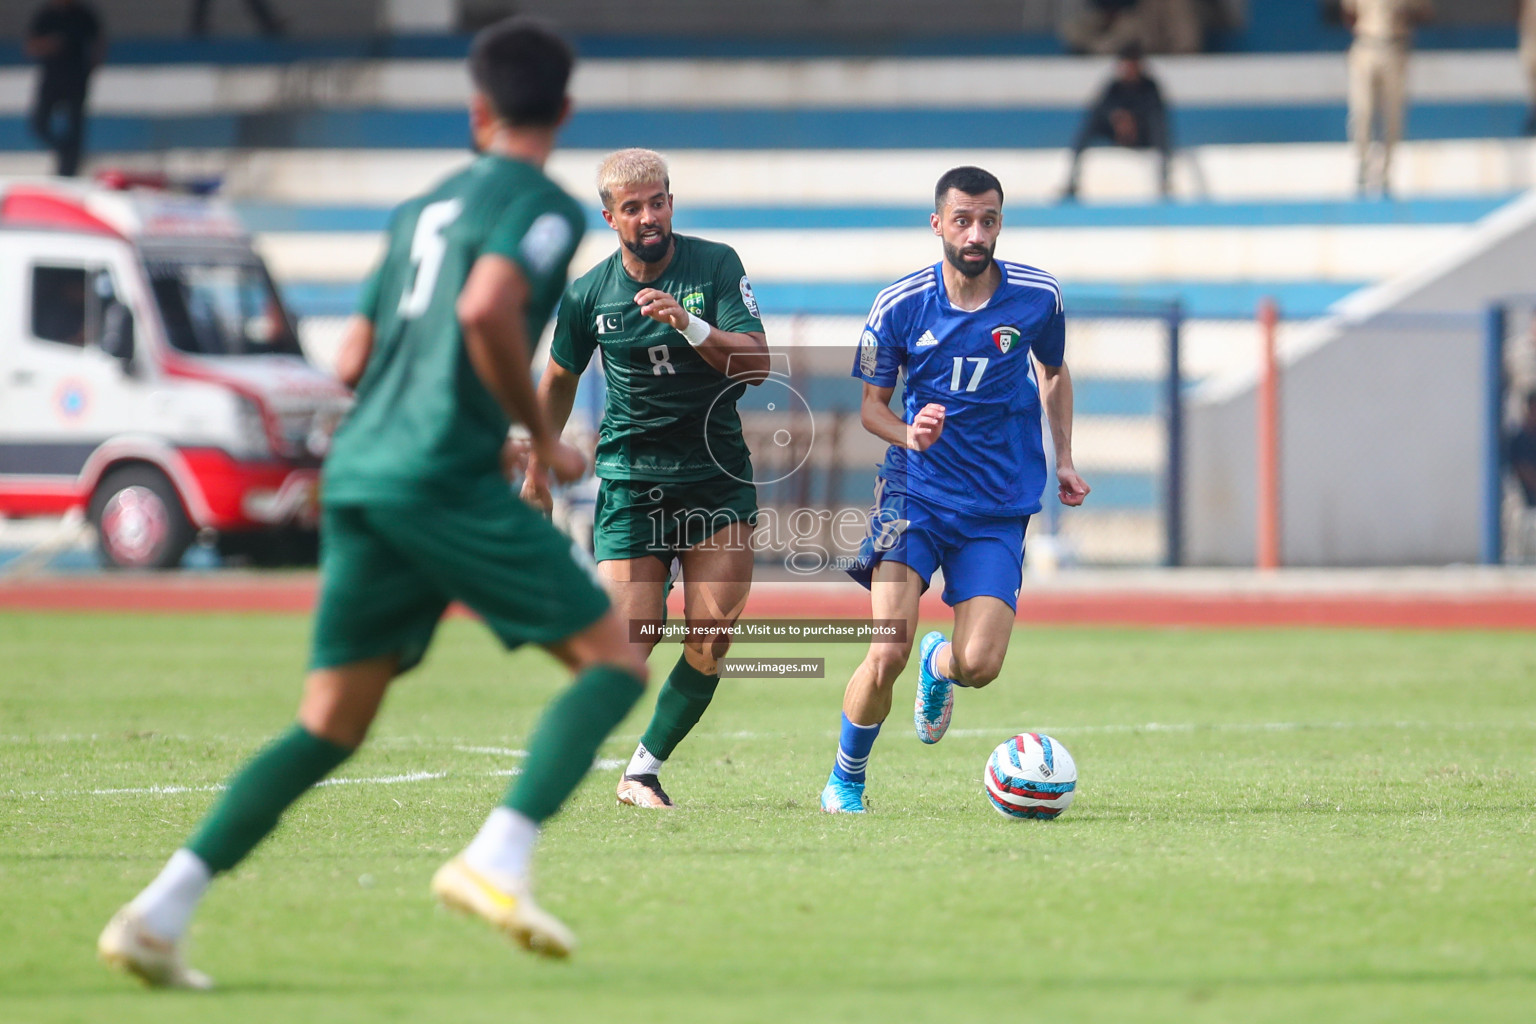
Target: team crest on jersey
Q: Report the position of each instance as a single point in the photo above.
(693, 302)
(1004, 337)
(869, 353)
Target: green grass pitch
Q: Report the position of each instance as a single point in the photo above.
(1271, 826)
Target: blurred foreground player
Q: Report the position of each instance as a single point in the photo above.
(982, 345)
(678, 327)
(417, 514)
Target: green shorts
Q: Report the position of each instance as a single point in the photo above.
(389, 570)
(634, 518)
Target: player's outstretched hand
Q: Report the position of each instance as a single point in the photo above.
(925, 427)
(658, 305)
(1072, 488)
(563, 462)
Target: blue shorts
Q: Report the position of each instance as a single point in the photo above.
(981, 555)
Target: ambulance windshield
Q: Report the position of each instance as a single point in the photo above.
(221, 307)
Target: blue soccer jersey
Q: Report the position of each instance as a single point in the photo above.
(990, 459)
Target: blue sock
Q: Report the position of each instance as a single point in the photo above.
(853, 747)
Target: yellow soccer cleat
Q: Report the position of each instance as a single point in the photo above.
(125, 944)
(505, 903)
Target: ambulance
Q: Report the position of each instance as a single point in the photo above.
(150, 375)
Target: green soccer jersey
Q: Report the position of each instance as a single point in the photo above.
(424, 424)
(669, 414)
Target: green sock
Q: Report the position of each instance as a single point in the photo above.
(259, 793)
(562, 746)
(683, 698)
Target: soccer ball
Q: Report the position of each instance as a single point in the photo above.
(1030, 776)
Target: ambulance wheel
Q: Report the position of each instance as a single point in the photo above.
(139, 521)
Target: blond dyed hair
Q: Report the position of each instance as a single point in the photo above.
(628, 168)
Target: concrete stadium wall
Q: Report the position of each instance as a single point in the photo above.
(803, 18)
(1381, 420)
(124, 18)
(783, 17)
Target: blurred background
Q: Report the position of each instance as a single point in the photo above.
(1278, 361)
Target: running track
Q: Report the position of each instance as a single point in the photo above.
(1174, 605)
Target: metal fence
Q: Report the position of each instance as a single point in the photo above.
(815, 465)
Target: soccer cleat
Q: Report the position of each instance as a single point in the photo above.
(643, 791)
(504, 902)
(842, 797)
(935, 695)
(125, 944)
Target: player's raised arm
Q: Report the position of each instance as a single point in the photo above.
(491, 311)
(878, 418)
(1056, 396)
(740, 355)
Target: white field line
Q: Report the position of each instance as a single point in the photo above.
(378, 780)
(604, 764)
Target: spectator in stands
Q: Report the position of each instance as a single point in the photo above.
(66, 40)
(1103, 26)
(1129, 112)
(271, 24)
(1378, 74)
(1158, 26)
(1528, 57)
(1522, 452)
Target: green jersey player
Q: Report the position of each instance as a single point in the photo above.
(678, 328)
(416, 514)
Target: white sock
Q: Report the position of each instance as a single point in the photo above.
(167, 903)
(644, 762)
(933, 661)
(504, 844)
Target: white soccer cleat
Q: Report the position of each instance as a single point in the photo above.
(126, 945)
(643, 791)
(504, 902)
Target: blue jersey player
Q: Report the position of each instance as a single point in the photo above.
(981, 343)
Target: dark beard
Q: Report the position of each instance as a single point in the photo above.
(655, 252)
(968, 269)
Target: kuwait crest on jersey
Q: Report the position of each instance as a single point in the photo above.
(1004, 337)
(693, 302)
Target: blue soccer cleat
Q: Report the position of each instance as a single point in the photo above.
(842, 796)
(935, 695)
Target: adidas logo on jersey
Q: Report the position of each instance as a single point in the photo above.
(927, 339)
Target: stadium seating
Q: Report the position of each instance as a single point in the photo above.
(818, 168)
